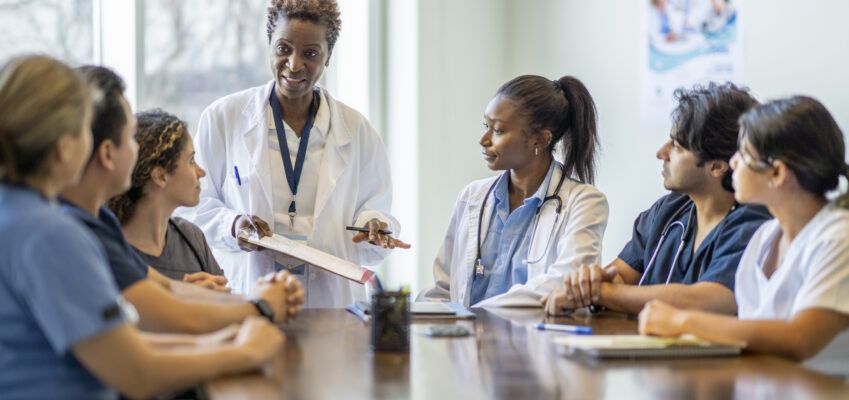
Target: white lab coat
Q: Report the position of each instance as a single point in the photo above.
(354, 186)
(577, 240)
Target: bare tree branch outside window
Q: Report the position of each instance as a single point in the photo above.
(59, 28)
(197, 51)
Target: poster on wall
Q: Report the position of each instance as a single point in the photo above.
(689, 42)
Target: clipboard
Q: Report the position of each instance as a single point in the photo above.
(311, 256)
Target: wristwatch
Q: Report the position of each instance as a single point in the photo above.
(264, 309)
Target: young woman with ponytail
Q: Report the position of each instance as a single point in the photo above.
(793, 279)
(513, 236)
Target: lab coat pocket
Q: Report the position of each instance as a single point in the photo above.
(237, 188)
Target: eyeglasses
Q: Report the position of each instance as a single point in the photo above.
(754, 164)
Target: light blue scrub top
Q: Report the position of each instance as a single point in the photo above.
(507, 239)
(55, 290)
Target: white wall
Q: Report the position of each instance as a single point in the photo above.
(455, 60)
(789, 47)
(468, 48)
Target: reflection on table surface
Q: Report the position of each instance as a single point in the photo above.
(327, 356)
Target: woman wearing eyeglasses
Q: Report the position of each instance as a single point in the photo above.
(793, 278)
(513, 236)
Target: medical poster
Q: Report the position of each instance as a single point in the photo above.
(689, 42)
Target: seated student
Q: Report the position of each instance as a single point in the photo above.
(686, 247)
(512, 237)
(165, 177)
(106, 175)
(794, 275)
(66, 331)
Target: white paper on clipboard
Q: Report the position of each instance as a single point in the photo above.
(311, 256)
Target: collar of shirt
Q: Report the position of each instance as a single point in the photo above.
(17, 192)
(322, 118)
(773, 234)
(500, 192)
(99, 220)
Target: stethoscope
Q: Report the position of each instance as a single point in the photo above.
(479, 269)
(685, 232)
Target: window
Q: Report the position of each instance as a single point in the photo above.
(59, 28)
(196, 51)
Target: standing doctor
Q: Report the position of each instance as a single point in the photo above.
(513, 237)
(288, 158)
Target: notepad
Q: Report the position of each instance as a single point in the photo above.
(638, 346)
(311, 256)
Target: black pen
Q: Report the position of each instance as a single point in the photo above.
(366, 230)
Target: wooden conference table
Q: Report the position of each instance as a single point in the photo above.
(327, 357)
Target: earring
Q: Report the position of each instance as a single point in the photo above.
(536, 151)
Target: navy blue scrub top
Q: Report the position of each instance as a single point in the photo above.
(715, 260)
(126, 264)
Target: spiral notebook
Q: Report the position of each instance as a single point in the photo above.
(638, 346)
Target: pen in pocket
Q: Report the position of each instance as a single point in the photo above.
(238, 178)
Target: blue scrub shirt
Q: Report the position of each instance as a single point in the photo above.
(715, 260)
(506, 243)
(55, 291)
(126, 264)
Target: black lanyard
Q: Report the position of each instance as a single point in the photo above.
(293, 175)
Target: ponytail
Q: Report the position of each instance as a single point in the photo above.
(564, 107)
(580, 135)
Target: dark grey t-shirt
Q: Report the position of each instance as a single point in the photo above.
(178, 257)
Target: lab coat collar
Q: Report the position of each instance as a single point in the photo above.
(322, 117)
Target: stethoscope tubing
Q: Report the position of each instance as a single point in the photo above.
(555, 197)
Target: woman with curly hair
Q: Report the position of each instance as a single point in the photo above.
(287, 158)
(165, 177)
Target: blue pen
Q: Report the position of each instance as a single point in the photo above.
(574, 329)
(238, 178)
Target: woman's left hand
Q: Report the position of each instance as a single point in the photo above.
(217, 283)
(661, 319)
(378, 239)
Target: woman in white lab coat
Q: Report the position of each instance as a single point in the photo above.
(538, 219)
(288, 158)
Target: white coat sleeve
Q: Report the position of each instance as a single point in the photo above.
(211, 214)
(441, 290)
(375, 194)
(579, 243)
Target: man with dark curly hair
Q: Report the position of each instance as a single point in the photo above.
(686, 247)
(287, 158)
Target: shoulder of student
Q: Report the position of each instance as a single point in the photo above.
(192, 231)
